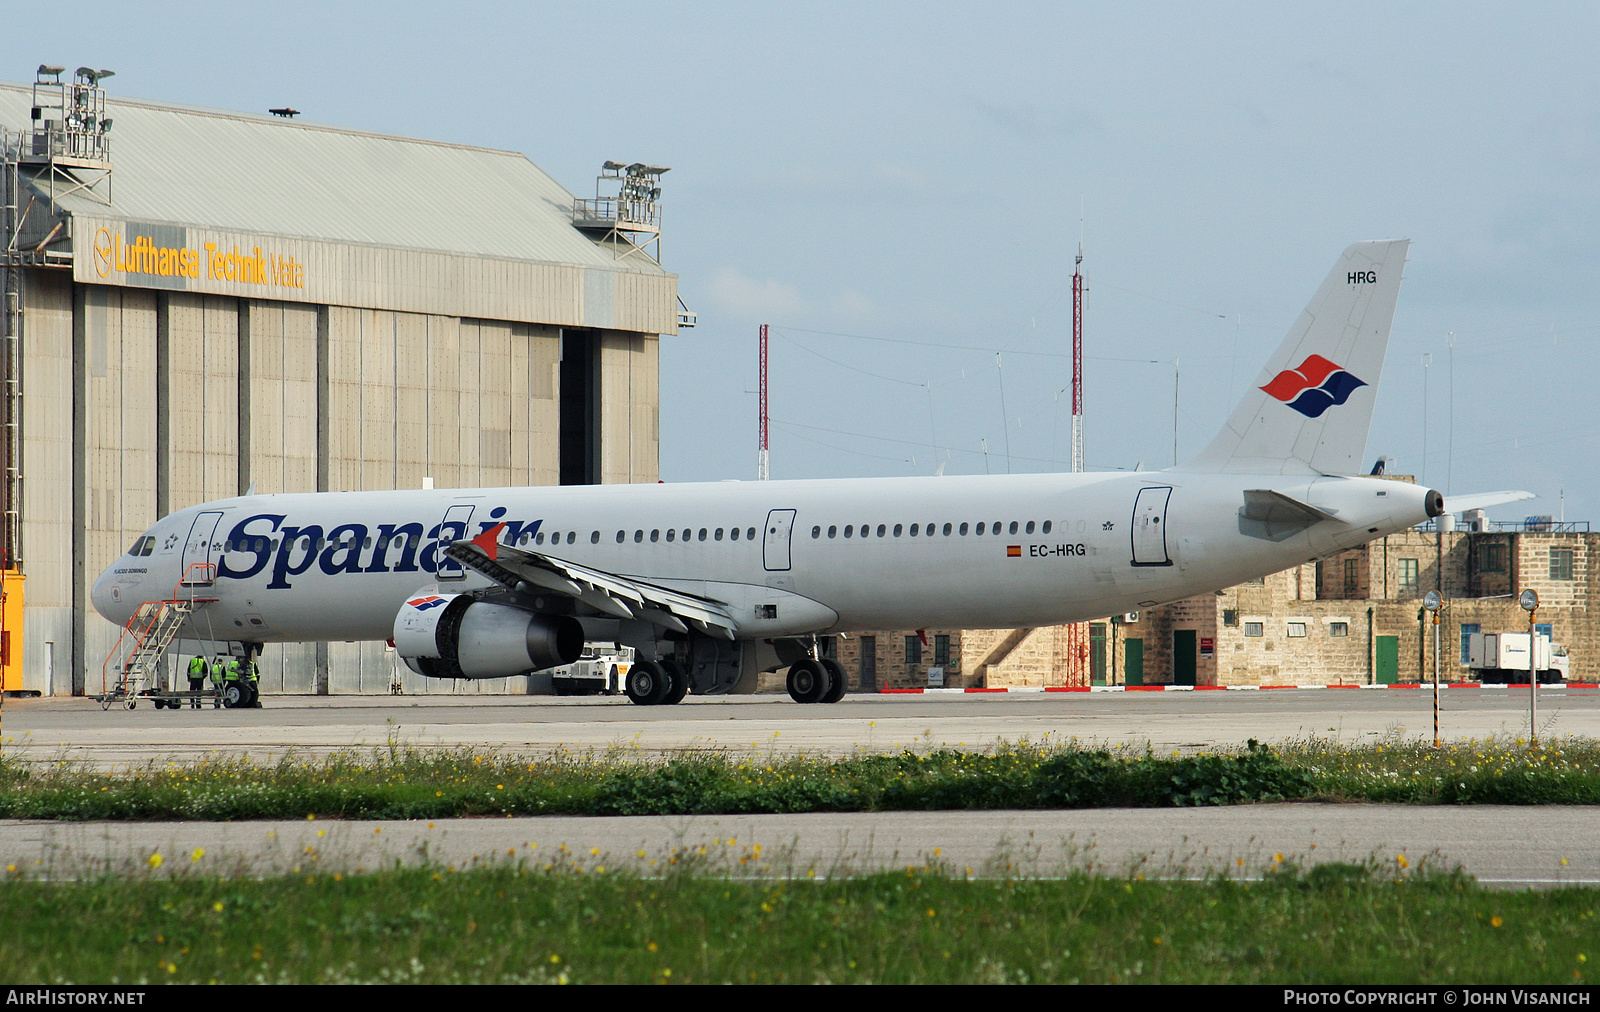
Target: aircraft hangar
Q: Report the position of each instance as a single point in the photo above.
(198, 303)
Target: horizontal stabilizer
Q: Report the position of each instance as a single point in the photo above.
(1482, 500)
(1277, 509)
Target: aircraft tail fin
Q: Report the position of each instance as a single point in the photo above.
(1311, 407)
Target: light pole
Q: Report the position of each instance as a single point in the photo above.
(1530, 604)
(1432, 601)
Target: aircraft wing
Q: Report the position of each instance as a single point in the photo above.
(1483, 500)
(601, 592)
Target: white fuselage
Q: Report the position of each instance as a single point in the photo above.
(338, 566)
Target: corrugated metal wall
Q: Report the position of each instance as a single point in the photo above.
(138, 403)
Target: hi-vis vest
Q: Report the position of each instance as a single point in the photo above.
(197, 668)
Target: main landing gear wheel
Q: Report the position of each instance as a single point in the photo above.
(836, 680)
(679, 681)
(808, 681)
(647, 683)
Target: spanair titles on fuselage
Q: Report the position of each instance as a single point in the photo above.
(713, 582)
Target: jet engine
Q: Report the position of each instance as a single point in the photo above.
(458, 636)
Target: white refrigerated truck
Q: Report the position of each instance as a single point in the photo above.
(1498, 658)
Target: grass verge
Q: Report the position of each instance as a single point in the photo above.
(1342, 924)
(408, 783)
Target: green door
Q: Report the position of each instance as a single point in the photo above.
(1097, 653)
(1133, 662)
(1184, 656)
(1388, 660)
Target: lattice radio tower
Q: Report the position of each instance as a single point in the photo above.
(1078, 668)
(761, 456)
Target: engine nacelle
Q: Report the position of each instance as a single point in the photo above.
(457, 636)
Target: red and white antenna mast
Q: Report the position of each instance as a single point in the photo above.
(761, 458)
(1077, 361)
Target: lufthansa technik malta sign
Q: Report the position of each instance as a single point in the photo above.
(161, 256)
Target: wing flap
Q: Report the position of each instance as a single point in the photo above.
(606, 593)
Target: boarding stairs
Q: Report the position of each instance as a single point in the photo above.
(133, 667)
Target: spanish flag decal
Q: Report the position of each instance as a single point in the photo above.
(1013, 551)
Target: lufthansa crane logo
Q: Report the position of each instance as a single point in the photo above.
(1314, 387)
(103, 253)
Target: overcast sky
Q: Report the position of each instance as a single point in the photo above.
(897, 189)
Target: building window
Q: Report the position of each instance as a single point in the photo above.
(1230, 617)
(941, 651)
(1297, 630)
(1339, 629)
(1560, 563)
(1492, 557)
(1410, 576)
(1352, 578)
(1253, 629)
(1467, 629)
(913, 651)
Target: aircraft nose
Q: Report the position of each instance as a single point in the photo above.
(100, 596)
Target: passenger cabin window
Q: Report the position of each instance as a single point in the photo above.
(594, 538)
(750, 534)
(734, 534)
(638, 536)
(849, 529)
(882, 530)
(655, 536)
(1029, 528)
(833, 530)
(947, 528)
(979, 529)
(718, 535)
(963, 530)
(1046, 528)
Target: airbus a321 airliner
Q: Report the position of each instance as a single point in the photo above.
(714, 583)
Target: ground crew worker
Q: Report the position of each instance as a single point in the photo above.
(252, 671)
(219, 670)
(198, 671)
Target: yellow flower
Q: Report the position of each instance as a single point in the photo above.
(1496, 921)
(154, 860)
(199, 852)
(217, 906)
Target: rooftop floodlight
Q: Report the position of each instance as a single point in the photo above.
(105, 125)
(53, 71)
(611, 166)
(103, 74)
(656, 170)
(635, 168)
(86, 72)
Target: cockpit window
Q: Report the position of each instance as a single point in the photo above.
(144, 546)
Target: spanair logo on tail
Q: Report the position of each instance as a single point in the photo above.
(1314, 387)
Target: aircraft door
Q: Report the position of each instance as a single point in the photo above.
(775, 547)
(200, 551)
(455, 526)
(1149, 527)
